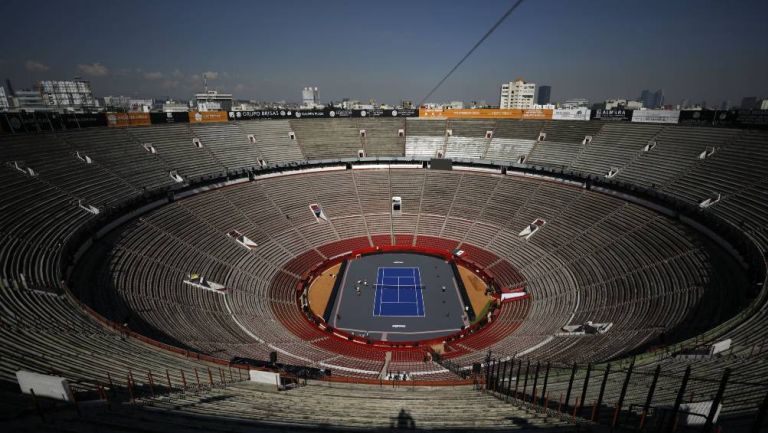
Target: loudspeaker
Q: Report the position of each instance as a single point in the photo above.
(273, 357)
(476, 367)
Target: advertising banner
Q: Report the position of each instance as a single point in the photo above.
(12, 123)
(656, 116)
(571, 114)
(707, 118)
(471, 113)
(537, 114)
(616, 115)
(72, 121)
(35, 121)
(327, 113)
(752, 118)
(49, 121)
(486, 113)
(393, 112)
(207, 116)
(25, 122)
(122, 120)
(162, 118)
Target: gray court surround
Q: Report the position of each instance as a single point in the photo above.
(443, 310)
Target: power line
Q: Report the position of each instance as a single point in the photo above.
(466, 56)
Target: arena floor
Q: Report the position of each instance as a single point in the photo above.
(399, 297)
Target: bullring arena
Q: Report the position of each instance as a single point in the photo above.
(547, 274)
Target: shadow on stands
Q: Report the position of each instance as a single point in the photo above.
(403, 421)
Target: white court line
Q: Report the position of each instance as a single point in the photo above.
(380, 276)
(376, 292)
(341, 294)
(420, 294)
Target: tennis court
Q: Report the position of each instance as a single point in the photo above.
(398, 293)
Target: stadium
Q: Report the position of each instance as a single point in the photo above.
(584, 287)
(232, 265)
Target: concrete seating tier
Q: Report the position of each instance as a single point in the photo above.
(174, 145)
(327, 138)
(228, 145)
(381, 136)
(597, 258)
(273, 140)
(566, 268)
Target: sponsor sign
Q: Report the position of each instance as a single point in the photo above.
(619, 114)
(70, 121)
(706, 118)
(485, 113)
(328, 113)
(161, 118)
(122, 120)
(41, 122)
(207, 116)
(758, 118)
(537, 114)
(571, 113)
(656, 116)
(27, 122)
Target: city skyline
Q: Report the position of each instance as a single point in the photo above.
(270, 52)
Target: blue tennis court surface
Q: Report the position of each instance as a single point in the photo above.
(398, 293)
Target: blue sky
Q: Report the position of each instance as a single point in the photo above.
(393, 50)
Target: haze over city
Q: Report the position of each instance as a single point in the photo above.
(703, 51)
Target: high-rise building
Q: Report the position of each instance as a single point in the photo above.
(4, 105)
(310, 97)
(517, 94)
(67, 95)
(646, 97)
(652, 99)
(544, 96)
(9, 86)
